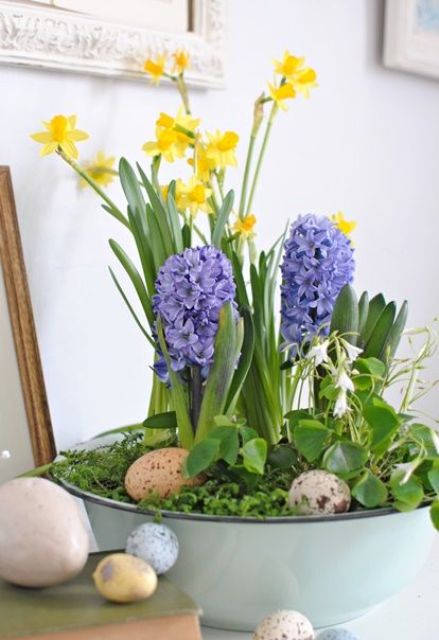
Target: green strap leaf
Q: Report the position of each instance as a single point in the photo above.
(228, 343)
(135, 278)
(222, 218)
(376, 343)
(248, 346)
(178, 395)
(345, 314)
(376, 307)
(166, 420)
(133, 313)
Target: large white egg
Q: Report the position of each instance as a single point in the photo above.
(156, 544)
(43, 540)
(284, 625)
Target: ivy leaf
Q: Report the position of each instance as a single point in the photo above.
(426, 437)
(311, 438)
(369, 490)
(282, 456)
(434, 513)
(254, 454)
(247, 433)
(408, 495)
(371, 365)
(229, 442)
(433, 477)
(384, 424)
(345, 458)
(201, 457)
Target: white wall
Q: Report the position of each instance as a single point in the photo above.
(366, 143)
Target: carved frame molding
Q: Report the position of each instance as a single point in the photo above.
(49, 38)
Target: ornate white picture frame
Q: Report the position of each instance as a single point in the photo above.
(411, 41)
(40, 35)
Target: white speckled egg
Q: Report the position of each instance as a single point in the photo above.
(318, 492)
(284, 625)
(154, 543)
(43, 540)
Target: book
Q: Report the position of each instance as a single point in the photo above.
(76, 611)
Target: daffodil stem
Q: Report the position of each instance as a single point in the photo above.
(261, 157)
(248, 161)
(182, 88)
(84, 175)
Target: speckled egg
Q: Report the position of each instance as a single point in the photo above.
(159, 472)
(337, 634)
(154, 543)
(284, 625)
(319, 492)
(123, 578)
(43, 540)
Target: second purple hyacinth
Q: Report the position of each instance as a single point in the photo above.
(191, 289)
(318, 262)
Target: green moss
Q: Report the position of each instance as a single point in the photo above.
(102, 472)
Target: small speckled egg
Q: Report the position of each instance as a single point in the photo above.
(120, 577)
(159, 472)
(337, 634)
(285, 625)
(154, 543)
(319, 492)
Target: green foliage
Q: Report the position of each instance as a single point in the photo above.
(345, 458)
(407, 493)
(345, 316)
(369, 490)
(311, 438)
(234, 443)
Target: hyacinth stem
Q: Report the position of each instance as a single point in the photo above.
(196, 395)
(85, 176)
(273, 112)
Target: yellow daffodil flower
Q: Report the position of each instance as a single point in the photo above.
(61, 134)
(181, 61)
(194, 196)
(245, 226)
(180, 193)
(221, 149)
(345, 226)
(173, 136)
(166, 145)
(155, 68)
(304, 81)
(282, 93)
(289, 66)
(101, 170)
(200, 163)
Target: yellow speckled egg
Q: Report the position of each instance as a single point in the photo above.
(159, 472)
(121, 577)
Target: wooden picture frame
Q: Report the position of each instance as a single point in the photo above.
(50, 34)
(23, 362)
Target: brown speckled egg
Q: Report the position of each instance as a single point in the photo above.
(285, 625)
(159, 472)
(318, 492)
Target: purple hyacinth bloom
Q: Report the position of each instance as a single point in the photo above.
(318, 262)
(191, 289)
